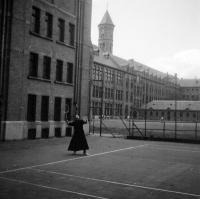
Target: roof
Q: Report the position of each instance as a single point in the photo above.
(189, 82)
(106, 19)
(170, 104)
(119, 61)
(151, 71)
(102, 59)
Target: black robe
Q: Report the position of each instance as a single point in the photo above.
(78, 141)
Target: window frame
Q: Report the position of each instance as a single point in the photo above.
(49, 24)
(44, 114)
(33, 64)
(70, 68)
(61, 30)
(35, 20)
(59, 70)
(46, 67)
(31, 107)
(71, 34)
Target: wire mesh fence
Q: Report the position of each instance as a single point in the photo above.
(146, 129)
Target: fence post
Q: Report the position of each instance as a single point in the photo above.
(196, 131)
(164, 129)
(93, 125)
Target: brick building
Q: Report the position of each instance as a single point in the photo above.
(45, 59)
(171, 110)
(120, 88)
(190, 89)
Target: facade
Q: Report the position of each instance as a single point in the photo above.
(171, 110)
(45, 59)
(120, 88)
(190, 89)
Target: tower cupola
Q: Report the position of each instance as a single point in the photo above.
(106, 28)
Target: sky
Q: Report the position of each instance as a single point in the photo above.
(162, 34)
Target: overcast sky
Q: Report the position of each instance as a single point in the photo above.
(163, 34)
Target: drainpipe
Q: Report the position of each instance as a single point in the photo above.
(5, 62)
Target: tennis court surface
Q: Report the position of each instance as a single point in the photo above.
(115, 168)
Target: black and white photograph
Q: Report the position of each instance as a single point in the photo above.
(99, 99)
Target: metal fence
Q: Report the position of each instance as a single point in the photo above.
(146, 129)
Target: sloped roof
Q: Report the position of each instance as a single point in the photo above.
(189, 82)
(119, 61)
(142, 67)
(106, 19)
(170, 104)
(101, 59)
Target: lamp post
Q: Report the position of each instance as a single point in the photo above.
(145, 113)
(175, 106)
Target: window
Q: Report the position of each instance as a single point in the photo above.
(119, 78)
(132, 82)
(118, 111)
(69, 73)
(97, 91)
(97, 72)
(119, 95)
(96, 108)
(49, 24)
(108, 109)
(126, 96)
(108, 93)
(31, 108)
(61, 30)
(112, 93)
(35, 20)
(109, 76)
(45, 108)
(57, 109)
(59, 70)
(46, 67)
(33, 65)
(71, 34)
(131, 98)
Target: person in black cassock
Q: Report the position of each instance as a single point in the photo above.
(78, 141)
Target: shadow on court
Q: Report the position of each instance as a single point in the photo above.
(115, 168)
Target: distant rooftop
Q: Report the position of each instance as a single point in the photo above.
(189, 82)
(122, 64)
(170, 104)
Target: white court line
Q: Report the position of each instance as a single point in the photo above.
(122, 184)
(160, 147)
(52, 188)
(68, 160)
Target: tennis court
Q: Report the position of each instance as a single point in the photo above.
(116, 168)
